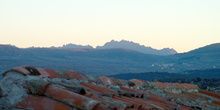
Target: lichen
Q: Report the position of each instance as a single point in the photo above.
(12, 90)
(113, 101)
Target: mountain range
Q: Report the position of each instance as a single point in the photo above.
(137, 47)
(69, 46)
(123, 44)
(109, 61)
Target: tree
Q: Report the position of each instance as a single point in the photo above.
(198, 79)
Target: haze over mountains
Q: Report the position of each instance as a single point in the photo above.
(123, 44)
(69, 46)
(137, 47)
(109, 61)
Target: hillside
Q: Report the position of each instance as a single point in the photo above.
(204, 74)
(206, 57)
(212, 48)
(90, 61)
(205, 79)
(108, 61)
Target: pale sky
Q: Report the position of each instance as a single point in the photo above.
(180, 24)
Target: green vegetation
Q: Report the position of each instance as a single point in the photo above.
(205, 79)
(212, 84)
(203, 74)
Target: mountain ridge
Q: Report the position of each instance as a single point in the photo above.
(137, 47)
(123, 44)
(211, 47)
(70, 45)
(107, 61)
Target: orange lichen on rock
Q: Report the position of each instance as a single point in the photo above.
(52, 73)
(216, 102)
(161, 85)
(43, 73)
(76, 75)
(119, 82)
(97, 88)
(106, 80)
(128, 100)
(42, 103)
(101, 107)
(39, 89)
(70, 98)
(137, 82)
(216, 95)
(133, 90)
(180, 86)
(23, 70)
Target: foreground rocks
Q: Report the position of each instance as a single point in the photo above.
(45, 89)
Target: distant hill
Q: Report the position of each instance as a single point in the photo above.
(100, 62)
(8, 49)
(213, 48)
(206, 57)
(204, 74)
(123, 44)
(136, 47)
(68, 46)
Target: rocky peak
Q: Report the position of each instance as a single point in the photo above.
(130, 45)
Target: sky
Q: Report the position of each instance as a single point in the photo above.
(183, 25)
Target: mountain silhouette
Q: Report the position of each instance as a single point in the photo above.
(70, 45)
(136, 47)
(123, 44)
(109, 61)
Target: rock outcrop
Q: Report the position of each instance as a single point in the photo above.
(45, 89)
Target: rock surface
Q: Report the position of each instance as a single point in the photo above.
(38, 89)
